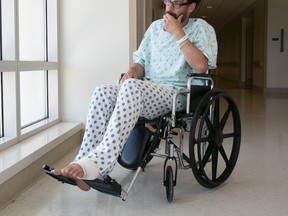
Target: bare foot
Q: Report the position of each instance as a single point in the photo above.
(74, 172)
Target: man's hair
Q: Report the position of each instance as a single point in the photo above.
(194, 1)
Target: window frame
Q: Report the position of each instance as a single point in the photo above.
(10, 126)
(1, 79)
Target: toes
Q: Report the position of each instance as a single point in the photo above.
(56, 171)
(70, 171)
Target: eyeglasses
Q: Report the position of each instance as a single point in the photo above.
(175, 4)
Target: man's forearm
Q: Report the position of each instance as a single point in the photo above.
(194, 57)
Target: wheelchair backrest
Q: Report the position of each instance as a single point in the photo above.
(196, 92)
(195, 96)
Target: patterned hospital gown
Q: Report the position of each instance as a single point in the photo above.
(162, 59)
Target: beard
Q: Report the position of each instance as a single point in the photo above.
(172, 14)
(176, 16)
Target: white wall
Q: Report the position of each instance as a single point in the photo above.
(94, 38)
(277, 62)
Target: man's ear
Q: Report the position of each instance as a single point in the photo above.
(192, 7)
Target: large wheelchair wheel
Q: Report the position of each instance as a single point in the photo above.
(215, 136)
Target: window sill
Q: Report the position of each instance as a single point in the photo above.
(19, 156)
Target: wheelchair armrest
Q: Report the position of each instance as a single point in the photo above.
(198, 75)
(204, 77)
(208, 85)
(119, 80)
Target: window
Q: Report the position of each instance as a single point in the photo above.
(29, 70)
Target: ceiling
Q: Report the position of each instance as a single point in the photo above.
(220, 12)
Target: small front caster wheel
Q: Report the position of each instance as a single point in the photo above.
(169, 184)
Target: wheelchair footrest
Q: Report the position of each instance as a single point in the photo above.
(107, 186)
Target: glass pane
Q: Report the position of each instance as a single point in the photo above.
(31, 30)
(8, 31)
(52, 30)
(33, 97)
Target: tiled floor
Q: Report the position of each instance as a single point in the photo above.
(257, 186)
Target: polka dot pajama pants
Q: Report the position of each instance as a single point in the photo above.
(113, 112)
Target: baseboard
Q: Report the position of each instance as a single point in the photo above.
(275, 93)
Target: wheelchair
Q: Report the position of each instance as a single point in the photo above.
(212, 125)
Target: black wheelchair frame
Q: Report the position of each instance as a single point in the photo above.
(213, 123)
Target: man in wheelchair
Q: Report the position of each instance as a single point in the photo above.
(172, 48)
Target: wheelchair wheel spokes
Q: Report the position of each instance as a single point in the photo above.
(207, 152)
(216, 113)
(224, 155)
(214, 164)
(225, 118)
(214, 142)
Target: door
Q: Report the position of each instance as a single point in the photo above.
(277, 45)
